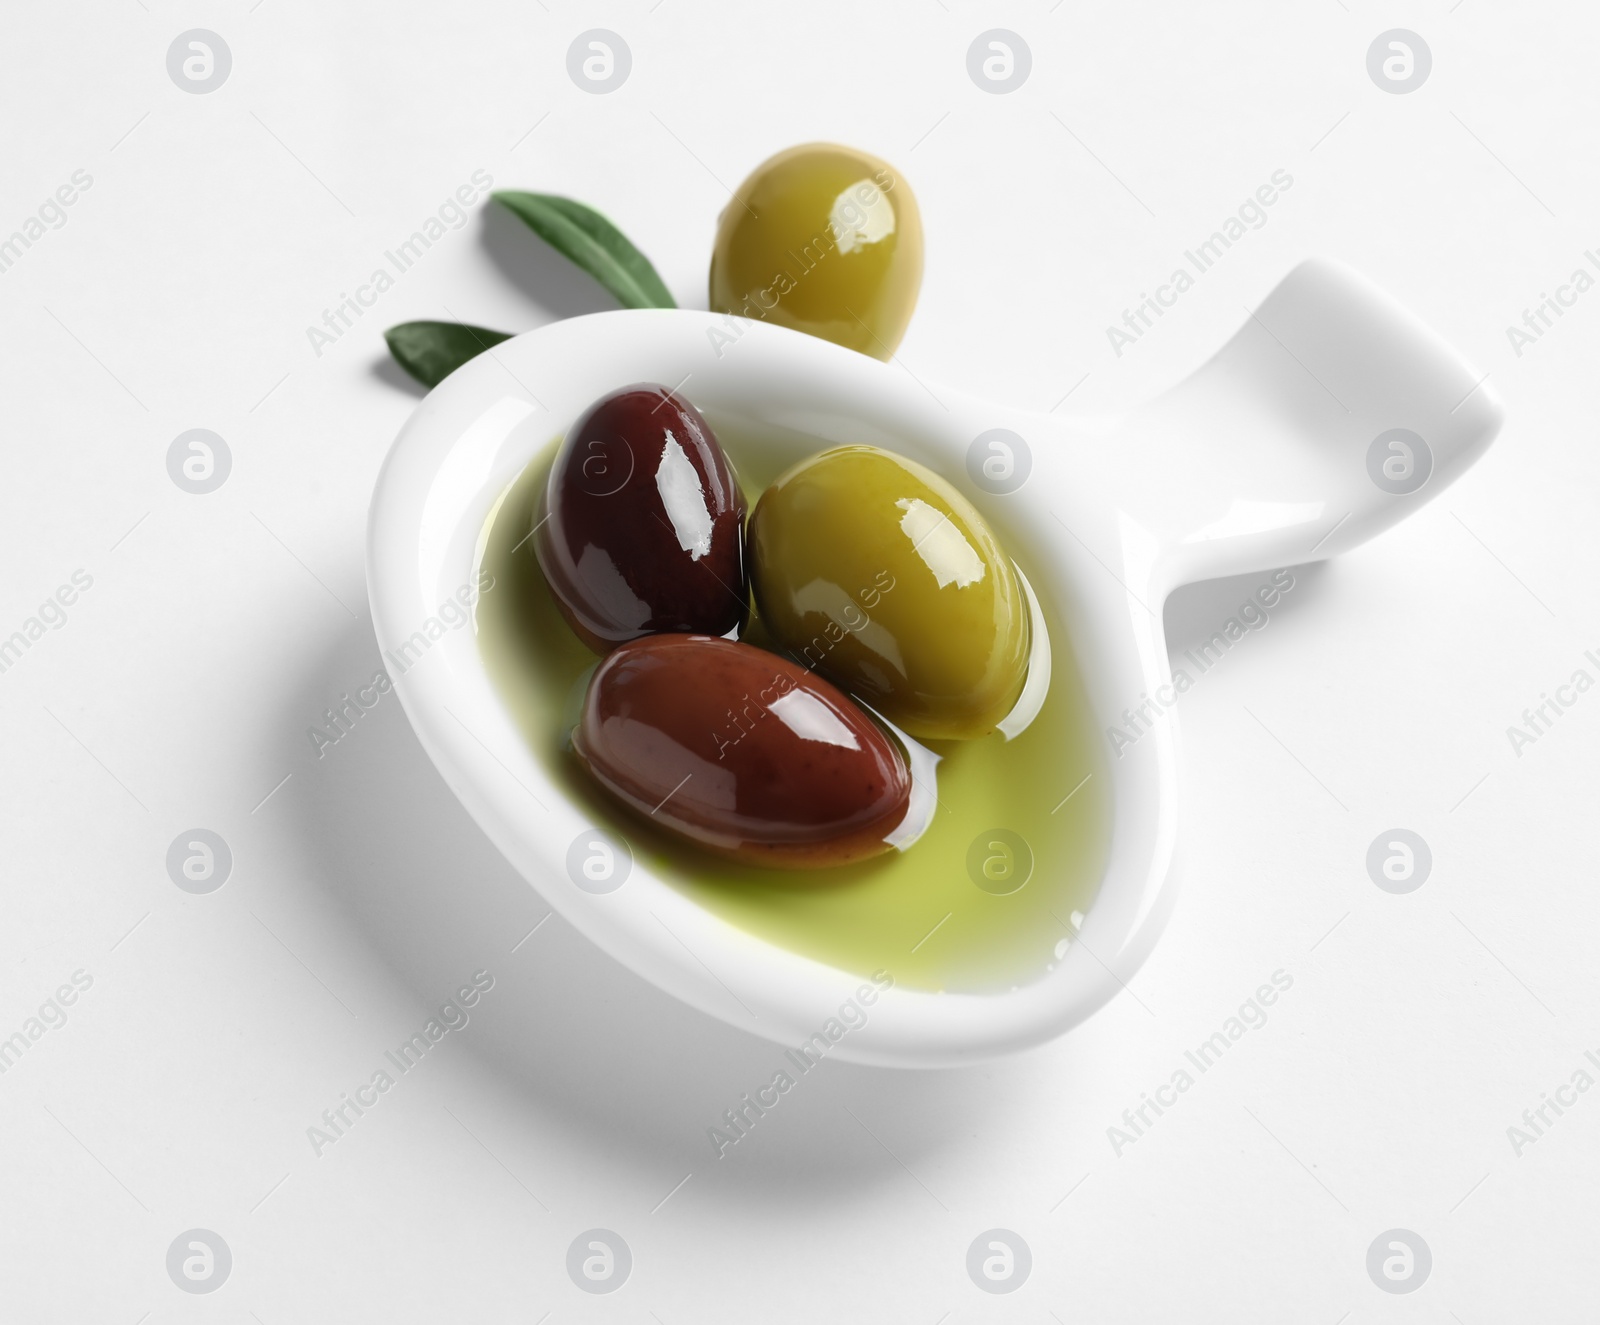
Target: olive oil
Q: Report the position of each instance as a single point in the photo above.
(988, 897)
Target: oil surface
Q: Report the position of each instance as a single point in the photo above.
(1034, 810)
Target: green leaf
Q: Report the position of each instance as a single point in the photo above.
(581, 235)
(431, 351)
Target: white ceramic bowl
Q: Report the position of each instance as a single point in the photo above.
(1272, 454)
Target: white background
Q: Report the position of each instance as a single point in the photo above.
(179, 692)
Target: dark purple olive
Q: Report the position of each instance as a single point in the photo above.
(742, 752)
(642, 523)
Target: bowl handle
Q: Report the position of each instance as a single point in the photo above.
(1331, 414)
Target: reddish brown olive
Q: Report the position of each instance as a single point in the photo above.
(742, 752)
(642, 524)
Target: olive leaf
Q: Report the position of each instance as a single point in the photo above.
(584, 237)
(431, 351)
